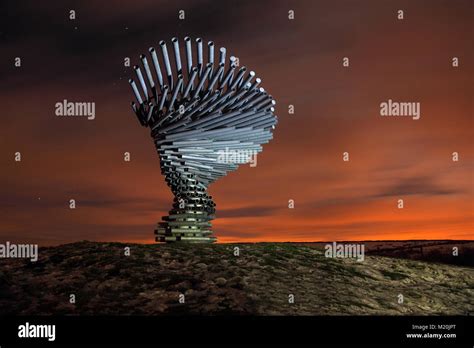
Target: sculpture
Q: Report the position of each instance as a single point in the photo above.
(197, 114)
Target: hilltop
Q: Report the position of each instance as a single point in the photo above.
(213, 280)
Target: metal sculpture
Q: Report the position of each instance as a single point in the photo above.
(198, 113)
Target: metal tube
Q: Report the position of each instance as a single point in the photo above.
(222, 52)
(239, 76)
(232, 100)
(217, 121)
(139, 113)
(210, 56)
(189, 54)
(156, 64)
(263, 124)
(222, 98)
(166, 59)
(252, 102)
(203, 79)
(195, 122)
(150, 112)
(199, 54)
(190, 82)
(135, 91)
(258, 116)
(191, 105)
(231, 133)
(142, 81)
(163, 97)
(227, 77)
(216, 76)
(177, 55)
(147, 71)
(249, 78)
(205, 101)
(228, 131)
(170, 118)
(255, 84)
(242, 96)
(250, 94)
(264, 102)
(194, 114)
(175, 92)
(184, 135)
(208, 99)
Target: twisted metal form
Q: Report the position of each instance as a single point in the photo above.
(197, 112)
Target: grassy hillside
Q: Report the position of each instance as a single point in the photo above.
(215, 281)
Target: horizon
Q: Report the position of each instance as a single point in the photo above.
(258, 242)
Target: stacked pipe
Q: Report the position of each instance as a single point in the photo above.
(198, 109)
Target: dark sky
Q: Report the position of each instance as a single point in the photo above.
(300, 63)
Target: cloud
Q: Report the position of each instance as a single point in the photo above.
(421, 185)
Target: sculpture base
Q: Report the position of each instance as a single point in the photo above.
(189, 221)
(186, 226)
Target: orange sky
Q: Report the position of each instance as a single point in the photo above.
(300, 63)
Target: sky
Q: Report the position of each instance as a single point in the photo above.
(337, 110)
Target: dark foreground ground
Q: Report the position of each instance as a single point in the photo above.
(215, 281)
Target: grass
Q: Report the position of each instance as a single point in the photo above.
(393, 275)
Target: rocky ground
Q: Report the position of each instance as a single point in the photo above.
(214, 281)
